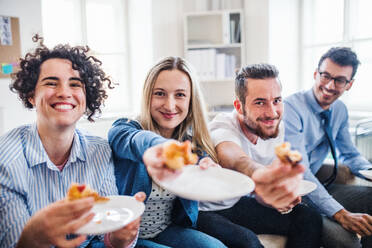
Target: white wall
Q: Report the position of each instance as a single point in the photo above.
(12, 112)
(256, 31)
(167, 28)
(284, 42)
(140, 45)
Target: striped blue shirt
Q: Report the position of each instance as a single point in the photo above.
(29, 181)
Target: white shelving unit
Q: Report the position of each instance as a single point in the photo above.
(214, 43)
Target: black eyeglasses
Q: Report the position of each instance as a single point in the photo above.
(340, 82)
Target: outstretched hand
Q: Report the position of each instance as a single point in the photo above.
(277, 184)
(155, 164)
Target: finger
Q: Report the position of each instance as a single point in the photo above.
(366, 223)
(284, 189)
(282, 196)
(152, 157)
(140, 196)
(368, 219)
(284, 201)
(78, 205)
(159, 153)
(77, 208)
(292, 205)
(73, 226)
(206, 162)
(164, 173)
(279, 188)
(361, 229)
(295, 202)
(356, 223)
(285, 171)
(126, 236)
(272, 192)
(203, 164)
(128, 232)
(273, 173)
(134, 224)
(65, 211)
(285, 209)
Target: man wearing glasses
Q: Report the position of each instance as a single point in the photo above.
(316, 123)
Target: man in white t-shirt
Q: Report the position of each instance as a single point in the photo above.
(245, 140)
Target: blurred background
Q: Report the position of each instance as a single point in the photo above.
(216, 36)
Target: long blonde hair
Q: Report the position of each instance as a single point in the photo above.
(195, 119)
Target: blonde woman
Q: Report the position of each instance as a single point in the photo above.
(171, 109)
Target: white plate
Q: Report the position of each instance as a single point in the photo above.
(306, 187)
(113, 215)
(211, 184)
(366, 173)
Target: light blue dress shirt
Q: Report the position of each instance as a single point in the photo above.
(29, 181)
(304, 130)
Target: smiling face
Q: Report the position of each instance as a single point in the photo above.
(170, 100)
(59, 96)
(327, 93)
(262, 112)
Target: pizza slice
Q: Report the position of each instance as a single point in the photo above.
(79, 191)
(177, 154)
(286, 155)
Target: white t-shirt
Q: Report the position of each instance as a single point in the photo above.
(226, 127)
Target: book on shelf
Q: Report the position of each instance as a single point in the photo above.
(226, 28)
(232, 31)
(211, 64)
(237, 33)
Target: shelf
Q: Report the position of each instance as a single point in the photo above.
(214, 45)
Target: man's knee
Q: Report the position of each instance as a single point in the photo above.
(335, 236)
(344, 175)
(307, 218)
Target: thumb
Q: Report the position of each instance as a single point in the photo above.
(140, 196)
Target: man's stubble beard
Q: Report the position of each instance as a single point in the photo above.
(253, 127)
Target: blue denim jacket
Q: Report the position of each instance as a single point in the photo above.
(129, 141)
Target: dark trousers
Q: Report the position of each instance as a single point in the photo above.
(356, 199)
(239, 225)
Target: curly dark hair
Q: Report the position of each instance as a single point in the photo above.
(94, 78)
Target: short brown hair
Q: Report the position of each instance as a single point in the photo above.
(254, 71)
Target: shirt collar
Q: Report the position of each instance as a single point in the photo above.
(79, 148)
(34, 150)
(36, 154)
(314, 105)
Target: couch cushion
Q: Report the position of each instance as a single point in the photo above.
(272, 241)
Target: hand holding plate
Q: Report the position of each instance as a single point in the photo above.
(126, 235)
(207, 162)
(277, 184)
(50, 225)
